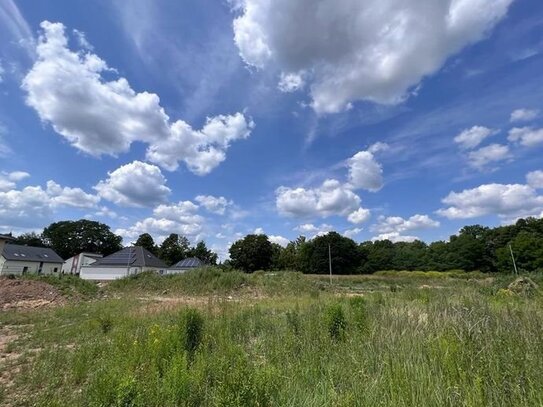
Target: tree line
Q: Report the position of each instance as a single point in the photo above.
(475, 247)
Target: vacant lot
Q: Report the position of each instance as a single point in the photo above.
(280, 339)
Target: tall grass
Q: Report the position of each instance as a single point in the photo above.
(413, 347)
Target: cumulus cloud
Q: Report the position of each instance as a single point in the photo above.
(8, 180)
(67, 89)
(523, 115)
(505, 200)
(535, 179)
(291, 82)
(331, 198)
(365, 172)
(213, 204)
(395, 237)
(280, 240)
(351, 233)
(314, 230)
(398, 225)
(135, 184)
(526, 136)
(32, 206)
(471, 138)
(490, 154)
(359, 216)
(352, 50)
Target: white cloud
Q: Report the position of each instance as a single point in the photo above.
(280, 240)
(183, 211)
(1, 72)
(489, 154)
(214, 204)
(201, 150)
(351, 233)
(291, 82)
(160, 228)
(134, 184)
(353, 50)
(74, 197)
(97, 116)
(535, 179)
(398, 225)
(331, 198)
(526, 136)
(378, 147)
(8, 180)
(471, 138)
(365, 172)
(395, 237)
(33, 206)
(105, 212)
(359, 216)
(523, 115)
(504, 200)
(311, 229)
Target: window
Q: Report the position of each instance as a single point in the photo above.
(55, 270)
(25, 270)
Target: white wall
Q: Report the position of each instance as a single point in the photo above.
(16, 267)
(176, 271)
(112, 273)
(83, 261)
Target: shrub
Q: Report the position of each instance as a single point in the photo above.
(193, 326)
(336, 322)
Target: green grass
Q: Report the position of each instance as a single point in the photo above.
(453, 342)
(68, 285)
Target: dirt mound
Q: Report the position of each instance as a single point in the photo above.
(16, 293)
(523, 285)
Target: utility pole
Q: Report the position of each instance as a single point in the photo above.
(330, 262)
(513, 257)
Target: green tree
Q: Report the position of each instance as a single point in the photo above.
(253, 252)
(146, 241)
(528, 250)
(69, 238)
(377, 256)
(203, 253)
(344, 252)
(174, 248)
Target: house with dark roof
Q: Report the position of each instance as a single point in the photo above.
(126, 262)
(3, 240)
(17, 260)
(73, 264)
(184, 265)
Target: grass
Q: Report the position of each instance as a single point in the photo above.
(446, 342)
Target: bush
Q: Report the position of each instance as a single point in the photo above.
(336, 322)
(193, 326)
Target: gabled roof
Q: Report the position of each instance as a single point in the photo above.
(190, 263)
(30, 253)
(131, 256)
(6, 237)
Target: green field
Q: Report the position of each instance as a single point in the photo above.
(211, 338)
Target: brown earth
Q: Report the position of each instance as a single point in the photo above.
(15, 293)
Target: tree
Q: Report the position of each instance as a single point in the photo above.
(253, 252)
(344, 251)
(30, 239)
(146, 241)
(69, 238)
(378, 255)
(174, 248)
(201, 252)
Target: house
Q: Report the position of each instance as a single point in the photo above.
(126, 262)
(73, 264)
(3, 240)
(186, 264)
(17, 259)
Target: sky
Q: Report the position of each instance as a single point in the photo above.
(214, 119)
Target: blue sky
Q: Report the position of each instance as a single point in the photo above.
(214, 119)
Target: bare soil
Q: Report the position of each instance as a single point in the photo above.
(15, 293)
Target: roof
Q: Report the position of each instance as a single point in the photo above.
(190, 263)
(131, 256)
(30, 253)
(6, 237)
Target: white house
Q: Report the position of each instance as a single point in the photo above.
(126, 262)
(17, 260)
(73, 264)
(184, 265)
